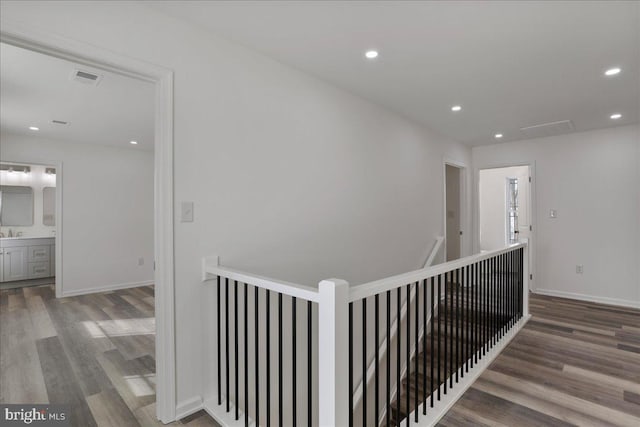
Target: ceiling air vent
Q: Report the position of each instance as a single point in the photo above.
(59, 122)
(86, 77)
(548, 129)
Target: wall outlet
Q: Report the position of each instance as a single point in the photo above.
(553, 213)
(140, 261)
(579, 269)
(186, 212)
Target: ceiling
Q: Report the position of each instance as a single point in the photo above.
(508, 64)
(37, 88)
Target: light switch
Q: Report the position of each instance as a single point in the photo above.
(186, 213)
(553, 213)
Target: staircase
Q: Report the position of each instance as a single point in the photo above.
(459, 319)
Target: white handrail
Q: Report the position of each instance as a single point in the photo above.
(434, 252)
(211, 268)
(365, 290)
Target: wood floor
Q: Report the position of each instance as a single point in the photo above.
(94, 352)
(574, 363)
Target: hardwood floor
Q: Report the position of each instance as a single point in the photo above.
(574, 363)
(94, 352)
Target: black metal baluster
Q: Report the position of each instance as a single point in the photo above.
(454, 329)
(219, 344)
(439, 339)
(415, 397)
(246, 356)
(388, 396)
(309, 363)
(235, 326)
(408, 353)
(350, 364)
(485, 311)
(424, 346)
(294, 391)
(280, 376)
(268, 350)
(257, 353)
(446, 342)
(433, 318)
(495, 300)
(476, 304)
(467, 324)
(399, 322)
(376, 403)
(226, 339)
(463, 332)
(364, 362)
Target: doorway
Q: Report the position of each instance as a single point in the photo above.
(453, 177)
(504, 206)
(88, 55)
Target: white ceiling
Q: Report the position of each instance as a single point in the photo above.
(509, 64)
(36, 89)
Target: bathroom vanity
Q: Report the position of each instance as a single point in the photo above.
(24, 258)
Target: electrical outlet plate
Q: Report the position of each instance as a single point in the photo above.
(553, 213)
(579, 269)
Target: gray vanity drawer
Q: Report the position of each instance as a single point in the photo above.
(38, 269)
(39, 253)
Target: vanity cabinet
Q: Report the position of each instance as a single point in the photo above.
(14, 263)
(26, 258)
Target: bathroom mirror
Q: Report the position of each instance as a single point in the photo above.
(49, 206)
(16, 205)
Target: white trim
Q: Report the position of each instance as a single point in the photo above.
(188, 407)
(379, 286)
(434, 251)
(225, 419)
(50, 43)
(106, 288)
(211, 269)
(440, 408)
(588, 298)
(463, 203)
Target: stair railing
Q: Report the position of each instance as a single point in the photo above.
(289, 354)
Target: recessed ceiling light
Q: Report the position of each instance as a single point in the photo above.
(133, 142)
(371, 54)
(616, 116)
(33, 128)
(456, 108)
(498, 135)
(612, 71)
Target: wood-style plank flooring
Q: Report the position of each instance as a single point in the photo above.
(574, 363)
(94, 352)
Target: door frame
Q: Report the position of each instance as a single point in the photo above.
(463, 204)
(35, 39)
(532, 211)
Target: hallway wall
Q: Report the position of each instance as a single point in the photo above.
(291, 177)
(592, 179)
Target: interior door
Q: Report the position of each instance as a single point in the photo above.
(453, 212)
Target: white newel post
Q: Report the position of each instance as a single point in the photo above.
(525, 281)
(333, 341)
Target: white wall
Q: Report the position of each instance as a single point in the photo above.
(291, 177)
(492, 194)
(37, 179)
(592, 179)
(107, 201)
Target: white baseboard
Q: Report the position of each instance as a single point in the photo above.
(188, 407)
(589, 298)
(222, 417)
(105, 288)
